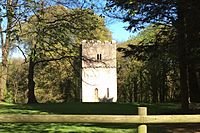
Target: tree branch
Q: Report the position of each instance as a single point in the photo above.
(53, 59)
(22, 53)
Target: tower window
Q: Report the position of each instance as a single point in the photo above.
(108, 93)
(96, 95)
(99, 57)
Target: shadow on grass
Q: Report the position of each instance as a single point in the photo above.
(87, 108)
(95, 128)
(70, 108)
(174, 128)
(65, 127)
(18, 109)
(105, 108)
(92, 108)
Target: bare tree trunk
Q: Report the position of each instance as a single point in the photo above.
(181, 43)
(4, 67)
(163, 88)
(3, 82)
(193, 84)
(193, 39)
(31, 83)
(1, 68)
(135, 90)
(154, 86)
(5, 50)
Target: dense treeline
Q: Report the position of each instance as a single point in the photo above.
(148, 67)
(183, 16)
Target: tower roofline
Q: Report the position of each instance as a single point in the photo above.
(98, 41)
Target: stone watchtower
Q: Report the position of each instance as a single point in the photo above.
(99, 75)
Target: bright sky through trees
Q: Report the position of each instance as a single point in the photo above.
(119, 33)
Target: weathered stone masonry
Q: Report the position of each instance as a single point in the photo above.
(99, 74)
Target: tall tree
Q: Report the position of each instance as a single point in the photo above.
(154, 48)
(12, 12)
(175, 12)
(181, 45)
(192, 20)
(56, 32)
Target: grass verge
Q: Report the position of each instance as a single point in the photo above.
(81, 108)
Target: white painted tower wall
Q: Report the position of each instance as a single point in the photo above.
(99, 74)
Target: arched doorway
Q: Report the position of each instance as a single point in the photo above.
(96, 95)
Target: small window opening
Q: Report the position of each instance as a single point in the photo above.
(96, 94)
(107, 92)
(99, 57)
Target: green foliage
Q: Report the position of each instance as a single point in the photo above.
(12, 12)
(140, 13)
(17, 81)
(57, 31)
(52, 39)
(150, 59)
(60, 84)
(128, 79)
(181, 14)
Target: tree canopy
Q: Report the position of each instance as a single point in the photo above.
(178, 13)
(54, 33)
(150, 65)
(140, 13)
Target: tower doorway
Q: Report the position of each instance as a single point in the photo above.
(96, 95)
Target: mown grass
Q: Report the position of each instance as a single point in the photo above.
(65, 127)
(79, 108)
(86, 108)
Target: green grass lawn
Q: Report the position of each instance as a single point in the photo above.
(86, 108)
(80, 108)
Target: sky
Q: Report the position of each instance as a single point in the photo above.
(119, 33)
